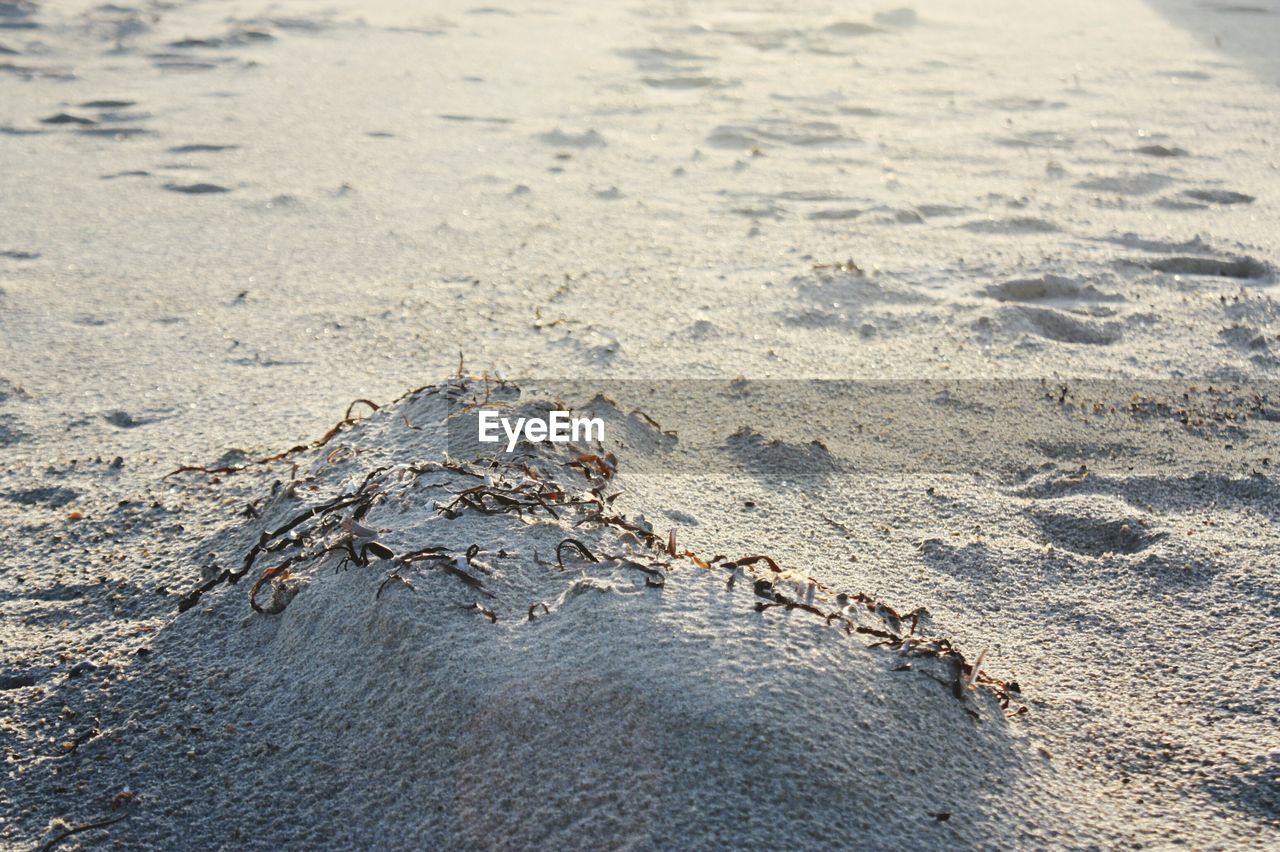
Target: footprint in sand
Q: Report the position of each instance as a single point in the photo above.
(28, 72)
(1046, 139)
(19, 15)
(957, 560)
(179, 62)
(201, 148)
(117, 133)
(124, 420)
(1251, 341)
(1161, 151)
(835, 214)
(1218, 196)
(1048, 288)
(1058, 326)
(108, 104)
(849, 29)
(768, 132)
(1015, 225)
(931, 211)
(49, 497)
(566, 139)
(655, 59)
(477, 119)
(1094, 527)
(68, 118)
(196, 188)
(196, 42)
(9, 390)
(1019, 104)
(901, 17)
(763, 210)
(10, 433)
(683, 82)
(258, 360)
(1140, 184)
(1132, 240)
(1244, 268)
(770, 459)
(1244, 307)
(846, 300)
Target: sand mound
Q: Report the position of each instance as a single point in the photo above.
(476, 654)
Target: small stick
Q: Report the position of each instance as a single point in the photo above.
(84, 826)
(977, 666)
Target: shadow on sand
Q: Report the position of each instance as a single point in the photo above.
(1245, 30)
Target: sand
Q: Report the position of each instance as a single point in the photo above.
(1047, 233)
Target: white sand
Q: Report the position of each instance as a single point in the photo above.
(286, 210)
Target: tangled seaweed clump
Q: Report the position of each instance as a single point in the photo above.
(517, 538)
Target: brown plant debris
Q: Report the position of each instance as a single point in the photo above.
(517, 488)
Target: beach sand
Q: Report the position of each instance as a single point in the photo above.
(965, 310)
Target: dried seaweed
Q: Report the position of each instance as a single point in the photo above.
(487, 613)
(519, 489)
(337, 428)
(576, 545)
(394, 578)
(274, 540)
(446, 562)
